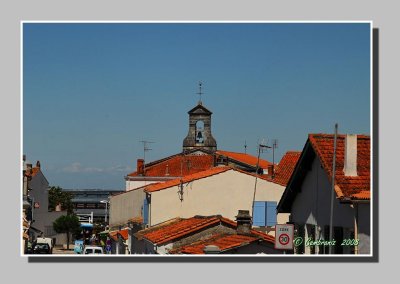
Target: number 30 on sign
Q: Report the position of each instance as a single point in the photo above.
(284, 236)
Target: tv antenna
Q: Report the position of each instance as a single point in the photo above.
(274, 146)
(145, 149)
(245, 147)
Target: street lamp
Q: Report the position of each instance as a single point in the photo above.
(105, 217)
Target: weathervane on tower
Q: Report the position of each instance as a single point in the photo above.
(200, 93)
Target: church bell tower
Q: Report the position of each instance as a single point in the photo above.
(199, 136)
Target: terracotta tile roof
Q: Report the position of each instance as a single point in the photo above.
(138, 220)
(285, 168)
(178, 165)
(123, 233)
(33, 172)
(362, 195)
(224, 242)
(186, 179)
(179, 227)
(244, 158)
(356, 187)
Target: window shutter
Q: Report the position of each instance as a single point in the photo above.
(145, 211)
(271, 213)
(259, 213)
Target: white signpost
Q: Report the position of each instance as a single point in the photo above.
(284, 235)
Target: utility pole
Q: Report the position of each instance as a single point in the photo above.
(260, 146)
(333, 187)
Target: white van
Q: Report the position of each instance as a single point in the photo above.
(93, 250)
(42, 240)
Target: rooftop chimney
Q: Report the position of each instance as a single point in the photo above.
(243, 220)
(350, 155)
(271, 170)
(140, 166)
(29, 169)
(38, 164)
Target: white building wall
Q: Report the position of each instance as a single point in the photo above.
(126, 206)
(312, 206)
(222, 194)
(132, 184)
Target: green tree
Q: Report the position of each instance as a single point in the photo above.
(57, 196)
(67, 224)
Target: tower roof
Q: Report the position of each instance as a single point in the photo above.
(200, 109)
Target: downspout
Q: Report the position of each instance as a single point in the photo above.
(149, 210)
(333, 188)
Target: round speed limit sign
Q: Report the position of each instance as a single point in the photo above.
(284, 239)
(284, 236)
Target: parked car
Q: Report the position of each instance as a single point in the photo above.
(93, 250)
(43, 240)
(42, 249)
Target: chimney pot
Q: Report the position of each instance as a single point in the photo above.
(140, 166)
(350, 155)
(243, 220)
(211, 249)
(271, 170)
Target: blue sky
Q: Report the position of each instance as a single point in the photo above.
(91, 92)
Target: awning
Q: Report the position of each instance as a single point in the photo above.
(86, 225)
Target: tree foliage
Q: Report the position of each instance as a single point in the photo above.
(57, 196)
(67, 224)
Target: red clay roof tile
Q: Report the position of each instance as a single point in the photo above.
(178, 165)
(187, 178)
(179, 228)
(346, 186)
(285, 168)
(244, 158)
(123, 233)
(224, 242)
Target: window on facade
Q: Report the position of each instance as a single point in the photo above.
(80, 205)
(91, 205)
(264, 213)
(145, 211)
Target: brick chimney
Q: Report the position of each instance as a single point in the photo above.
(271, 172)
(350, 155)
(28, 169)
(140, 166)
(243, 220)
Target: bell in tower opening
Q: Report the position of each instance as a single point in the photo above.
(199, 136)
